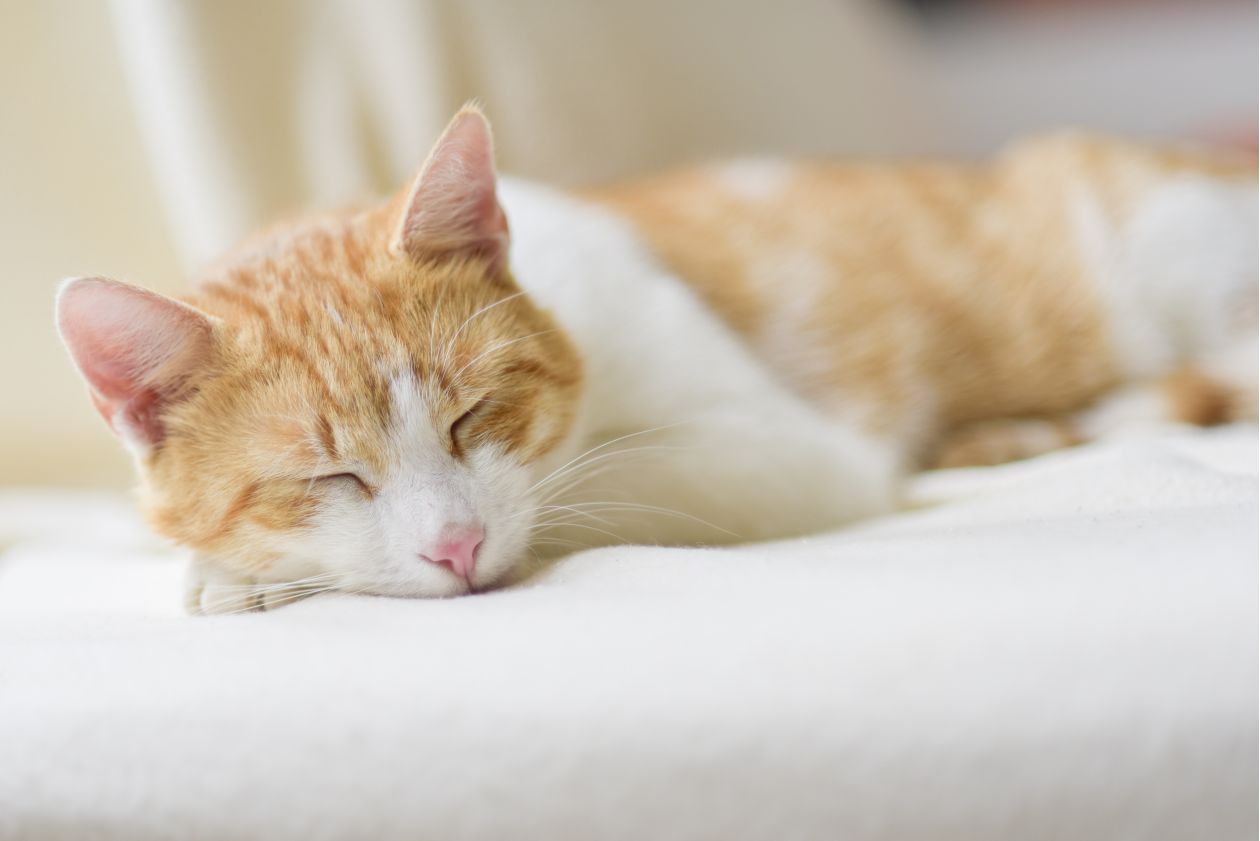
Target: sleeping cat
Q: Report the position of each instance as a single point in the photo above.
(415, 398)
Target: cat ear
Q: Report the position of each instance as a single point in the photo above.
(135, 348)
(451, 206)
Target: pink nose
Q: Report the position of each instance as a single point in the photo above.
(456, 549)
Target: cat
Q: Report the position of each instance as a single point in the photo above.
(414, 398)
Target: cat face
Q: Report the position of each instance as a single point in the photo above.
(367, 398)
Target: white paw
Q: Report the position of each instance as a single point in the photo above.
(209, 589)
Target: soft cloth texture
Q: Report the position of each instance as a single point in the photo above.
(1064, 648)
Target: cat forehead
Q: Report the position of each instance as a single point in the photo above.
(397, 420)
(335, 275)
(323, 345)
(415, 406)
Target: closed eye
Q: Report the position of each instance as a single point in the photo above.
(348, 477)
(461, 423)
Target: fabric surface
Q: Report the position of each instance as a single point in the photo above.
(1064, 648)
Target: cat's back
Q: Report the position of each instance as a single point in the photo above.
(965, 287)
(740, 231)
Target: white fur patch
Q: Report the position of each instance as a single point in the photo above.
(732, 449)
(1175, 276)
(756, 180)
(1130, 410)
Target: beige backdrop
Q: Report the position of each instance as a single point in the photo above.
(76, 197)
(140, 137)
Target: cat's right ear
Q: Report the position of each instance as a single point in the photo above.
(451, 208)
(136, 349)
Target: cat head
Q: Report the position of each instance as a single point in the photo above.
(366, 398)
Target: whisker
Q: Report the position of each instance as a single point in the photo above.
(450, 342)
(495, 349)
(554, 474)
(558, 541)
(575, 510)
(546, 526)
(656, 509)
(576, 474)
(300, 582)
(256, 603)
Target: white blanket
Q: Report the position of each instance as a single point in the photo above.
(1064, 648)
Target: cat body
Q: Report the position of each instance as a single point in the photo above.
(721, 437)
(409, 400)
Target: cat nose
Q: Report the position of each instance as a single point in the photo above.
(456, 549)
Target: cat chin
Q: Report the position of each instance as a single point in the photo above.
(426, 583)
(414, 590)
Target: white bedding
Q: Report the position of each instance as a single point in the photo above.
(1064, 648)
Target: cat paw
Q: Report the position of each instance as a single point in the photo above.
(209, 589)
(987, 443)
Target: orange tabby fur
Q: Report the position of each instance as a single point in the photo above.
(309, 365)
(342, 391)
(951, 292)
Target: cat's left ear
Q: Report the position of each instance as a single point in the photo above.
(136, 349)
(451, 207)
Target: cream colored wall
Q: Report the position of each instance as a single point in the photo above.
(76, 197)
(249, 109)
(139, 137)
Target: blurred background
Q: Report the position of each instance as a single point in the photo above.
(142, 137)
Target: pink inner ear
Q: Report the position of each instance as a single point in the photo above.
(133, 347)
(452, 207)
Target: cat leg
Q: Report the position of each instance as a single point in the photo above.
(1186, 396)
(998, 441)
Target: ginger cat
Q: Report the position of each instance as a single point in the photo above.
(408, 400)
